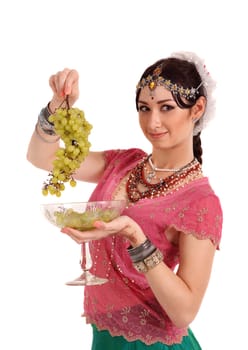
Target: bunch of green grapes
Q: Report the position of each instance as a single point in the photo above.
(72, 127)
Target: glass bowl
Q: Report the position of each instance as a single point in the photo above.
(82, 215)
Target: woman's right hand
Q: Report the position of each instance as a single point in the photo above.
(64, 83)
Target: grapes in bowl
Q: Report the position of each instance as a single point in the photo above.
(82, 215)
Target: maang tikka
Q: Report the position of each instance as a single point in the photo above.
(155, 79)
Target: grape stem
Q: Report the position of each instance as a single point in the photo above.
(66, 101)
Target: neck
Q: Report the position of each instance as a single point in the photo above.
(169, 169)
(174, 160)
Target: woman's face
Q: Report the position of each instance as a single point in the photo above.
(163, 123)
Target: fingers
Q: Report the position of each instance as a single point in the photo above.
(99, 224)
(102, 230)
(122, 225)
(71, 82)
(64, 83)
(83, 236)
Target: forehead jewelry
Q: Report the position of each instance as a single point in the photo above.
(155, 79)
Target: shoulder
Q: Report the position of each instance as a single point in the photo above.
(199, 190)
(200, 197)
(195, 209)
(203, 211)
(204, 193)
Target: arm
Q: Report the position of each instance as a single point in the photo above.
(42, 147)
(181, 294)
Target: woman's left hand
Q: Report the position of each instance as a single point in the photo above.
(122, 225)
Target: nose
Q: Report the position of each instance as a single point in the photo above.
(155, 120)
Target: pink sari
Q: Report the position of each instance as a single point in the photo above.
(126, 305)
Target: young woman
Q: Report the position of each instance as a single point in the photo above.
(158, 254)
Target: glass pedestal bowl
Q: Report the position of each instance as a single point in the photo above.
(81, 216)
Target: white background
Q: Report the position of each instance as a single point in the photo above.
(110, 43)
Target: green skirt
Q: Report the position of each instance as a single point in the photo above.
(102, 340)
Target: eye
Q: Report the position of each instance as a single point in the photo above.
(167, 107)
(143, 108)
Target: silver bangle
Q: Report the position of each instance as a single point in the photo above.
(42, 138)
(142, 251)
(43, 120)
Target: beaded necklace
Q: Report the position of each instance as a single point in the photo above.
(164, 186)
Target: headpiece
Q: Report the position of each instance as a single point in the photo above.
(153, 80)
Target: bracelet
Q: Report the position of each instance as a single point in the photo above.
(146, 256)
(142, 251)
(150, 262)
(42, 138)
(43, 120)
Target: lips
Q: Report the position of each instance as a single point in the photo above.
(157, 135)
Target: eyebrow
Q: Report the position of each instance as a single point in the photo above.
(158, 102)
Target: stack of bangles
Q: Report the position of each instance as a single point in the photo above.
(145, 257)
(46, 126)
